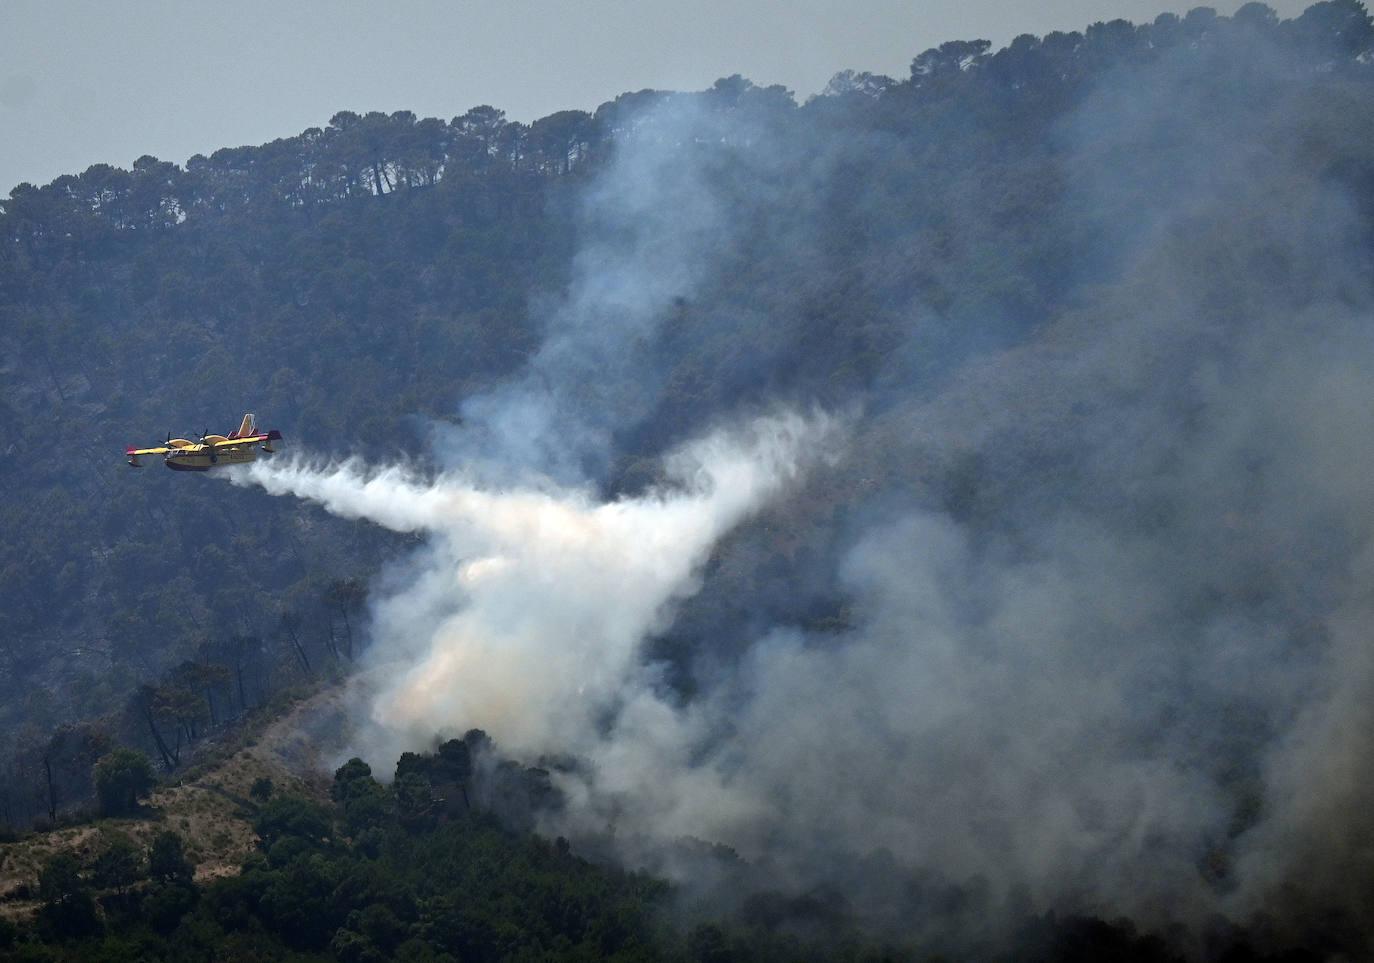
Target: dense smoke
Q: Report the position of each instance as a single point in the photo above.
(1102, 645)
(531, 598)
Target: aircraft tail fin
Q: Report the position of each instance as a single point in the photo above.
(246, 428)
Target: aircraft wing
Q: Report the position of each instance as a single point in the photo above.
(160, 450)
(261, 436)
(234, 442)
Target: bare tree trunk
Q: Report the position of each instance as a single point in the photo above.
(51, 787)
(169, 759)
(296, 644)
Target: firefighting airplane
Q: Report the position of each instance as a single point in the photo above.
(212, 451)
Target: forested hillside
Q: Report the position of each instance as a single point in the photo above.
(950, 492)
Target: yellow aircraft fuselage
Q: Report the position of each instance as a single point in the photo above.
(203, 457)
(212, 451)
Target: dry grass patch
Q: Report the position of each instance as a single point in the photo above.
(212, 810)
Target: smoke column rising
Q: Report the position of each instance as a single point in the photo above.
(1105, 642)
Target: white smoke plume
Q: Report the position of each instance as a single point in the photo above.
(528, 612)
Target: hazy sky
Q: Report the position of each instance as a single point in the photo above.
(90, 81)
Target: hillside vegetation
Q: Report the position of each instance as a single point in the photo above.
(353, 870)
(1066, 613)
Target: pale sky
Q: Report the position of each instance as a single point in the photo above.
(107, 81)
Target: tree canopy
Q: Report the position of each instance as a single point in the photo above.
(1032, 278)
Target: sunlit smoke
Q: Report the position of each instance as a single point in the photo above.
(536, 601)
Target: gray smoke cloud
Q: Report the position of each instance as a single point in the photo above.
(646, 236)
(1106, 591)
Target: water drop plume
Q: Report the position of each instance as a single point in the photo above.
(526, 609)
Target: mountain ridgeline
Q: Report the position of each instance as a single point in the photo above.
(1051, 593)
